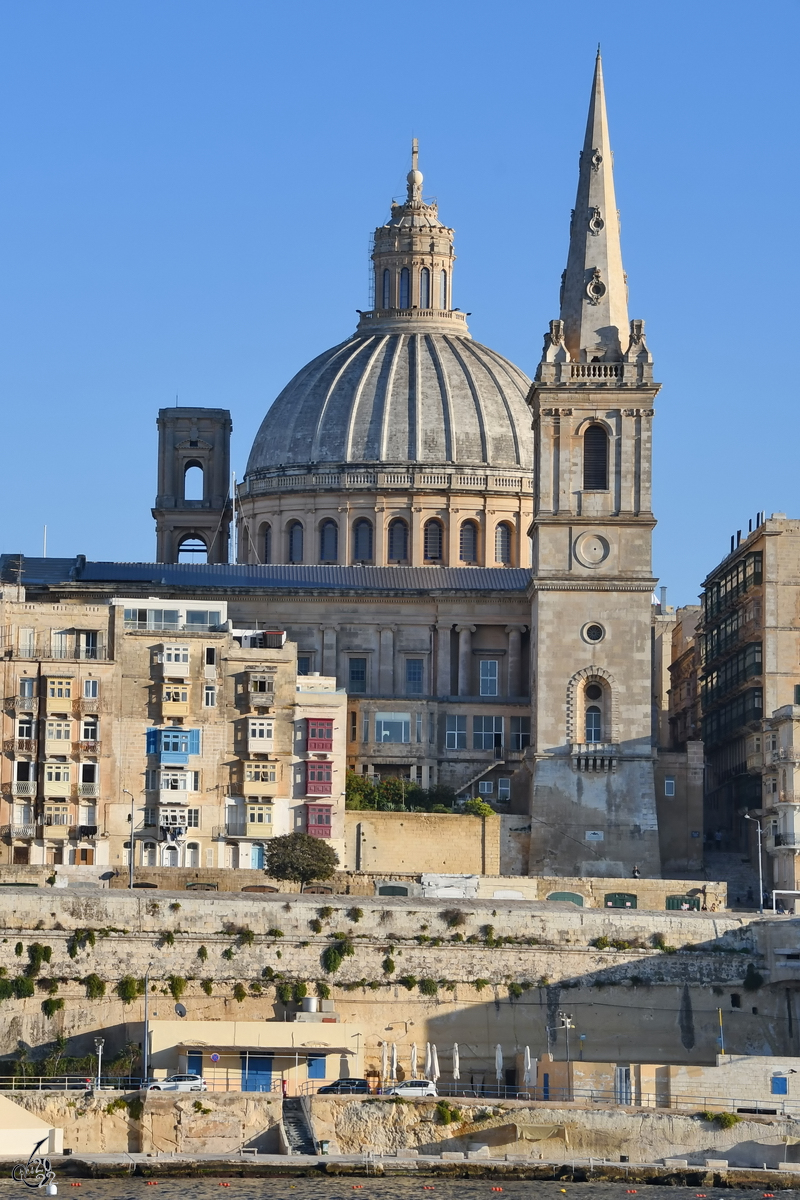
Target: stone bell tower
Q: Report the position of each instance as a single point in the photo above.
(593, 801)
(192, 439)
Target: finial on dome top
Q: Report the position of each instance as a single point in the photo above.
(598, 50)
(414, 176)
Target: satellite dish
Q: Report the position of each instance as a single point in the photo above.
(180, 1010)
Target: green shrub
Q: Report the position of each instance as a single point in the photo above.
(229, 953)
(18, 949)
(95, 987)
(268, 974)
(515, 990)
(447, 1114)
(247, 937)
(175, 906)
(323, 990)
(725, 1120)
(355, 914)
(334, 955)
(50, 1006)
(600, 943)
(315, 925)
(659, 943)
(255, 988)
(284, 993)
(753, 979)
(453, 917)
(80, 939)
(177, 986)
(480, 984)
(239, 992)
(299, 992)
(457, 937)
(273, 933)
(202, 954)
(326, 912)
(135, 1109)
(199, 1107)
(127, 989)
(409, 982)
(208, 986)
(428, 987)
(478, 808)
(167, 938)
(23, 987)
(37, 954)
(388, 965)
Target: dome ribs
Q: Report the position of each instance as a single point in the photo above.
(385, 409)
(502, 436)
(439, 452)
(362, 443)
(337, 395)
(471, 392)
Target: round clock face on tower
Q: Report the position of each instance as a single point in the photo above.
(591, 549)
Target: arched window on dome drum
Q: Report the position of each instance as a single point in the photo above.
(266, 544)
(443, 289)
(424, 288)
(468, 542)
(595, 459)
(386, 295)
(433, 541)
(594, 724)
(362, 540)
(404, 289)
(398, 540)
(328, 542)
(295, 533)
(502, 543)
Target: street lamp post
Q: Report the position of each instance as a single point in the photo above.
(748, 817)
(125, 792)
(98, 1045)
(565, 1020)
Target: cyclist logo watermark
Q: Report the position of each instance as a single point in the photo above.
(36, 1172)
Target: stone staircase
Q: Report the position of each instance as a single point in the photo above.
(738, 872)
(298, 1134)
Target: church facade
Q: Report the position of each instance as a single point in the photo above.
(466, 551)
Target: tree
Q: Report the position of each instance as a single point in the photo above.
(301, 858)
(478, 808)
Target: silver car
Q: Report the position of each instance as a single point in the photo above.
(179, 1083)
(411, 1089)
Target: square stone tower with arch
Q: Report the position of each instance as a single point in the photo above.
(193, 442)
(593, 803)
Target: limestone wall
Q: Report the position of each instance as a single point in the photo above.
(421, 842)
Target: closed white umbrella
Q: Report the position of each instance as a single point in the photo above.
(394, 1060)
(384, 1060)
(526, 1066)
(498, 1062)
(434, 1075)
(456, 1062)
(413, 1060)
(428, 1060)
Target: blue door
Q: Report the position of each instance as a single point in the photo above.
(257, 857)
(256, 1072)
(195, 1066)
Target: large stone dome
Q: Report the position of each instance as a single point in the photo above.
(431, 398)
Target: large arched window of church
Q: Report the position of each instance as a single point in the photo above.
(398, 540)
(295, 536)
(264, 549)
(443, 289)
(404, 288)
(362, 540)
(433, 540)
(424, 288)
(594, 724)
(595, 459)
(192, 549)
(386, 296)
(502, 543)
(328, 541)
(193, 481)
(468, 542)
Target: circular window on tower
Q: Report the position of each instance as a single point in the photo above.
(594, 691)
(593, 632)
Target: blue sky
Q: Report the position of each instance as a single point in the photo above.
(188, 189)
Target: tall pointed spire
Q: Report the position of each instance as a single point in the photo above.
(594, 301)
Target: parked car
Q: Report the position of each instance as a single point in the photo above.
(346, 1087)
(178, 1083)
(411, 1089)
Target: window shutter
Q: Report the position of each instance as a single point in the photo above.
(152, 741)
(194, 741)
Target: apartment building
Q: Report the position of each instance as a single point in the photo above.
(153, 727)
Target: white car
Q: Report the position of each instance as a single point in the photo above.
(412, 1089)
(179, 1083)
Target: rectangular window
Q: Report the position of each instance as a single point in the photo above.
(152, 618)
(485, 787)
(259, 814)
(261, 685)
(60, 640)
(193, 818)
(89, 773)
(91, 689)
(316, 1066)
(669, 786)
(175, 781)
(320, 734)
(319, 778)
(488, 677)
(353, 718)
(175, 694)
(57, 772)
(90, 729)
(365, 728)
(487, 733)
(318, 820)
(150, 816)
(780, 1085)
(26, 687)
(27, 643)
(392, 727)
(413, 676)
(520, 732)
(456, 734)
(58, 731)
(58, 689)
(25, 727)
(259, 772)
(201, 619)
(210, 696)
(211, 656)
(419, 727)
(357, 675)
(176, 654)
(304, 664)
(88, 646)
(504, 788)
(260, 731)
(56, 814)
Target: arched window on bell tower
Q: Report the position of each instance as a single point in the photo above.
(386, 295)
(595, 459)
(443, 289)
(424, 288)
